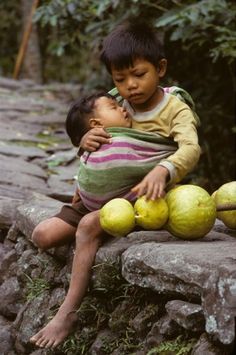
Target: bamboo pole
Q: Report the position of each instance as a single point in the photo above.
(226, 207)
(25, 40)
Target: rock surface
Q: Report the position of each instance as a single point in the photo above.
(184, 268)
(187, 315)
(31, 132)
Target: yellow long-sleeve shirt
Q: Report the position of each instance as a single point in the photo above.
(173, 119)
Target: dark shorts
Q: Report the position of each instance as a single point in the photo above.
(73, 213)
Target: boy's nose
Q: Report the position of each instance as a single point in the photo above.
(131, 84)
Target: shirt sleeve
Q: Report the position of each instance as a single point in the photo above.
(183, 130)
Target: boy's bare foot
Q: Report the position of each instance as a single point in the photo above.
(55, 331)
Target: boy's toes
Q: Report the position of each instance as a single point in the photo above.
(36, 338)
(50, 344)
(40, 342)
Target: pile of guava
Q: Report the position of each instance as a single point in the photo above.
(192, 212)
(151, 214)
(118, 217)
(187, 212)
(225, 197)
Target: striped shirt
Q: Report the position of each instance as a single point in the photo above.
(115, 168)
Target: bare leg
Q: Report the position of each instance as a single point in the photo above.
(88, 239)
(52, 232)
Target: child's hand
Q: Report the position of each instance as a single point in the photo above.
(153, 184)
(92, 140)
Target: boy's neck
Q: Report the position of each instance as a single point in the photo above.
(151, 103)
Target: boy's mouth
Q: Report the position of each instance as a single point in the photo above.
(134, 96)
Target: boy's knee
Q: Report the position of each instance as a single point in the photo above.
(90, 222)
(39, 237)
(89, 228)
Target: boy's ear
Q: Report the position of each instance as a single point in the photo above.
(95, 122)
(162, 66)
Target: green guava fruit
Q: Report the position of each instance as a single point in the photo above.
(213, 195)
(117, 217)
(192, 212)
(150, 214)
(226, 194)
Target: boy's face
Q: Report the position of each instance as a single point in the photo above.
(138, 83)
(108, 113)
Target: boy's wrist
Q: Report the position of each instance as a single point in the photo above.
(164, 172)
(170, 168)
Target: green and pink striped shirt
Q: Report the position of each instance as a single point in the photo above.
(115, 168)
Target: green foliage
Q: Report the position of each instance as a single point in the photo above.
(93, 311)
(76, 28)
(35, 287)
(210, 22)
(178, 346)
(70, 345)
(201, 50)
(10, 25)
(125, 343)
(78, 345)
(96, 311)
(114, 287)
(202, 23)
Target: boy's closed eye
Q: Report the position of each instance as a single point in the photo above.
(113, 106)
(139, 74)
(118, 80)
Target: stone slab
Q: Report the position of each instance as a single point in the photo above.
(59, 189)
(8, 208)
(36, 208)
(13, 166)
(17, 131)
(21, 151)
(185, 268)
(24, 182)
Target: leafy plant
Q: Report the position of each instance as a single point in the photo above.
(126, 343)
(198, 23)
(10, 25)
(178, 346)
(35, 287)
(78, 344)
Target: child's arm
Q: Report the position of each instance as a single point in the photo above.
(183, 129)
(154, 183)
(92, 140)
(184, 132)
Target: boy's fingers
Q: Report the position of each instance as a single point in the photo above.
(139, 189)
(90, 148)
(155, 193)
(135, 189)
(150, 191)
(93, 144)
(101, 132)
(101, 140)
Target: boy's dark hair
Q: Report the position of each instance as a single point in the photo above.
(78, 115)
(131, 40)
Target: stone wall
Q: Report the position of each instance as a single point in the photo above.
(148, 290)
